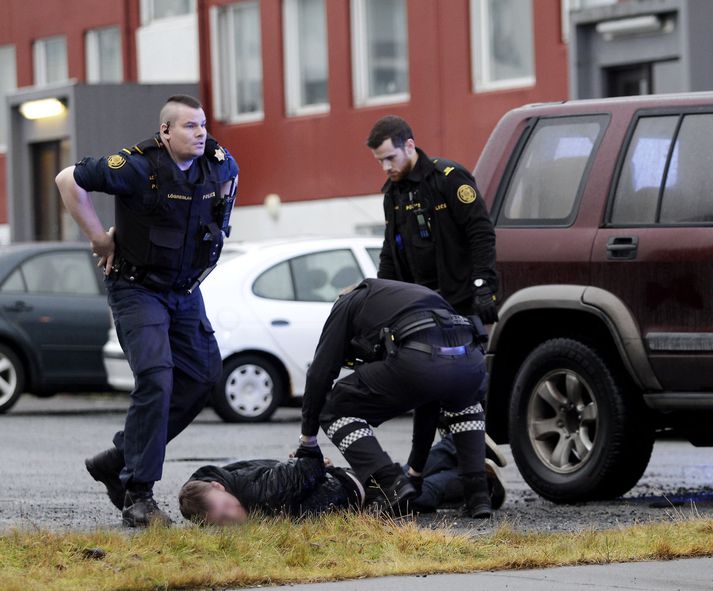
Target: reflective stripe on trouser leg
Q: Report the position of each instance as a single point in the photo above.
(468, 428)
(355, 439)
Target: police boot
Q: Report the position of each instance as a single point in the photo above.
(390, 491)
(105, 467)
(141, 510)
(496, 486)
(477, 499)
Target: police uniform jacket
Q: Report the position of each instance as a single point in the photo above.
(168, 221)
(358, 317)
(438, 231)
(297, 488)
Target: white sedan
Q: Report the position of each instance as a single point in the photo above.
(267, 302)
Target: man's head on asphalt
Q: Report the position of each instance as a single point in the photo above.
(209, 503)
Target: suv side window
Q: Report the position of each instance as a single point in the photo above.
(546, 182)
(688, 192)
(637, 194)
(675, 151)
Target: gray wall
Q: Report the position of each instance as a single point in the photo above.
(680, 58)
(100, 120)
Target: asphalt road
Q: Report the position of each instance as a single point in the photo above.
(43, 482)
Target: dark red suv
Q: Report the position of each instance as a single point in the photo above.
(604, 216)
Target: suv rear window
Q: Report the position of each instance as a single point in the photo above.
(667, 173)
(546, 182)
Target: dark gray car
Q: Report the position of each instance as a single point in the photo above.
(54, 320)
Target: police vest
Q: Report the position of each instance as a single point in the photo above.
(173, 233)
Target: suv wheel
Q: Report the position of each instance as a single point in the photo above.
(250, 390)
(576, 434)
(12, 378)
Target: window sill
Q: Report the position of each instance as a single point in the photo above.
(387, 99)
(511, 84)
(320, 109)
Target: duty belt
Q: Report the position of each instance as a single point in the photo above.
(140, 275)
(437, 351)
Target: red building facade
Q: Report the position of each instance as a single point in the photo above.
(309, 156)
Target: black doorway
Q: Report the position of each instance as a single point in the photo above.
(629, 80)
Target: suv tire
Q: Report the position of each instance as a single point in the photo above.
(576, 433)
(249, 391)
(12, 378)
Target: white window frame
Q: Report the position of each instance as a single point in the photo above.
(93, 59)
(147, 12)
(5, 111)
(39, 60)
(226, 112)
(480, 52)
(291, 37)
(360, 62)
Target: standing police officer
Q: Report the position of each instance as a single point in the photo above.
(174, 194)
(416, 353)
(438, 231)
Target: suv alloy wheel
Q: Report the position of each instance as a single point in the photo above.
(576, 433)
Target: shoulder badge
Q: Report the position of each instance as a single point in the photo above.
(116, 161)
(466, 194)
(219, 154)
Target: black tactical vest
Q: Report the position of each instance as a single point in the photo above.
(171, 232)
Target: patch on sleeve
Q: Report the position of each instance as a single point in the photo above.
(117, 161)
(219, 154)
(466, 194)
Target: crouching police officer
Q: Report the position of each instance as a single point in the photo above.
(416, 353)
(173, 196)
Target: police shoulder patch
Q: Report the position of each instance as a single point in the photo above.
(466, 194)
(116, 161)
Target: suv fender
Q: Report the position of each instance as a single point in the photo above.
(593, 300)
(604, 310)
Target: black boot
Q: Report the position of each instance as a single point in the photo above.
(390, 491)
(141, 510)
(477, 496)
(105, 467)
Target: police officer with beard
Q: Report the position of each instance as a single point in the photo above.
(438, 231)
(173, 197)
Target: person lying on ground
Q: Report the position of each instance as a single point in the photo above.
(310, 485)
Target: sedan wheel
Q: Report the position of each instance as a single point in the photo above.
(12, 378)
(250, 390)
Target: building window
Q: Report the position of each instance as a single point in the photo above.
(502, 44)
(50, 60)
(8, 83)
(154, 10)
(306, 67)
(380, 51)
(103, 55)
(237, 62)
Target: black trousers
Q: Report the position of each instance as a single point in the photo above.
(379, 391)
(170, 346)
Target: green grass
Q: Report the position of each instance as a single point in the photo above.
(330, 548)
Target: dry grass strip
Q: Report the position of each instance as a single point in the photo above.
(331, 548)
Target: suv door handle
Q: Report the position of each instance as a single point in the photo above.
(622, 248)
(18, 306)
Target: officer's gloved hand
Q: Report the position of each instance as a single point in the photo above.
(308, 448)
(485, 305)
(477, 497)
(416, 481)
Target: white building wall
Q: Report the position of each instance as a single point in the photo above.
(168, 50)
(341, 216)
